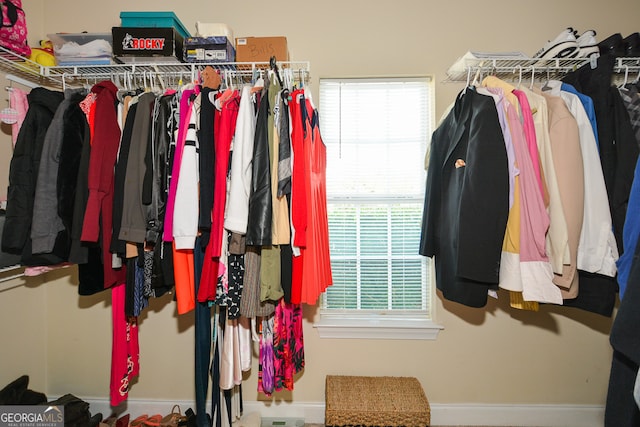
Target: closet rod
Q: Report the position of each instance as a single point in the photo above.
(20, 80)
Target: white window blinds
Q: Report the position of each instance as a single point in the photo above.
(376, 132)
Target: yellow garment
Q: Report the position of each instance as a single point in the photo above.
(510, 276)
(493, 81)
(516, 301)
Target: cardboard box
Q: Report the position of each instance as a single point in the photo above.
(140, 44)
(261, 49)
(209, 49)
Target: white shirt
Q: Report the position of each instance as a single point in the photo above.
(237, 209)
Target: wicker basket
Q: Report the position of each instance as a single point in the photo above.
(375, 401)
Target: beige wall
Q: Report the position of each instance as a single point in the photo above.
(492, 355)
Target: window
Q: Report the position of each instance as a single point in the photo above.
(376, 133)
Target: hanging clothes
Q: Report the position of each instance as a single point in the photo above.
(23, 171)
(125, 349)
(597, 249)
(621, 409)
(260, 208)
(229, 109)
(618, 160)
(533, 266)
(206, 159)
(241, 170)
(466, 245)
(316, 273)
(19, 102)
(46, 222)
(105, 141)
(125, 173)
(557, 237)
(134, 223)
(618, 147)
(288, 343)
(130, 107)
(567, 158)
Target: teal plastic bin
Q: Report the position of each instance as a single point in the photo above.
(153, 20)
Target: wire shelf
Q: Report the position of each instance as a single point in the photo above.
(518, 67)
(61, 76)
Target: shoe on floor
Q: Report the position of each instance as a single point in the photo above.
(588, 44)
(564, 45)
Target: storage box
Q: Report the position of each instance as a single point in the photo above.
(153, 20)
(137, 44)
(261, 49)
(375, 401)
(209, 49)
(82, 48)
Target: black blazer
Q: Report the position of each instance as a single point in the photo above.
(467, 200)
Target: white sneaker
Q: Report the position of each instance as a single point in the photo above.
(588, 45)
(564, 45)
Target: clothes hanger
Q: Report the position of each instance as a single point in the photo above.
(533, 77)
(9, 115)
(308, 95)
(153, 83)
(545, 86)
(637, 80)
(477, 78)
(228, 92)
(626, 77)
(519, 68)
(469, 82)
(160, 79)
(274, 67)
(259, 84)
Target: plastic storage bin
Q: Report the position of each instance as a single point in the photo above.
(153, 20)
(82, 48)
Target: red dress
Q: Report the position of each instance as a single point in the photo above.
(312, 269)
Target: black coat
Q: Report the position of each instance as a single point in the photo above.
(75, 130)
(467, 200)
(23, 173)
(621, 409)
(260, 203)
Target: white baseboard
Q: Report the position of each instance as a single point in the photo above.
(441, 414)
(517, 415)
(311, 412)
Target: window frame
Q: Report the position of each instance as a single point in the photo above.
(384, 324)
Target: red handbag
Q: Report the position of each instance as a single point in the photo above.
(13, 32)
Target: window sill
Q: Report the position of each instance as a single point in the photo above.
(390, 329)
